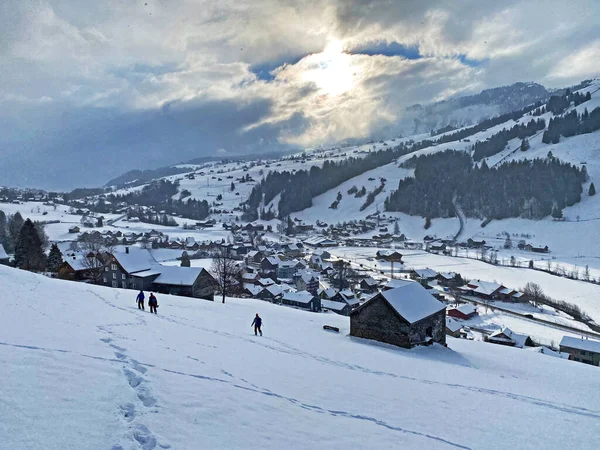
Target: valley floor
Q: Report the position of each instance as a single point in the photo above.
(82, 367)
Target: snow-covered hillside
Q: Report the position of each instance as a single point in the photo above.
(82, 367)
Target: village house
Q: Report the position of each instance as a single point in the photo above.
(271, 293)
(120, 266)
(343, 309)
(269, 266)
(303, 300)
(454, 328)
(389, 255)
(586, 351)
(74, 229)
(254, 257)
(185, 281)
(405, 316)
(306, 281)
(437, 247)
(348, 297)
(491, 291)
(252, 290)
(449, 279)
(368, 285)
(264, 282)
(287, 269)
(320, 241)
(326, 294)
(475, 244)
(482, 289)
(423, 275)
(75, 268)
(464, 312)
(506, 336)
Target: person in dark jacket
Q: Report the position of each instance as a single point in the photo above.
(153, 303)
(257, 323)
(140, 300)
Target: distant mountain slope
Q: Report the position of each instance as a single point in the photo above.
(468, 110)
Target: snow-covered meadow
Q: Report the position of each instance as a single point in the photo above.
(82, 367)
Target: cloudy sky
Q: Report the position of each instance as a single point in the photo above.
(91, 89)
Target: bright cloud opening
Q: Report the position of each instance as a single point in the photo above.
(331, 70)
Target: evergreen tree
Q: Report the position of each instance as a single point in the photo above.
(3, 230)
(525, 145)
(556, 213)
(29, 253)
(592, 190)
(55, 259)
(232, 188)
(15, 222)
(290, 226)
(185, 260)
(396, 228)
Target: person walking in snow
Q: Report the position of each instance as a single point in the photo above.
(257, 323)
(153, 303)
(140, 300)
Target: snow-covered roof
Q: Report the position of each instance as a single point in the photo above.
(148, 273)
(453, 325)
(307, 277)
(179, 276)
(506, 291)
(249, 276)
(273, 260)
(253, 289)
(275, 289)
(426, 273)
(413, 302)
(329, 292)
(370, 281)
(3, 254)
(76, 264)
(136, 260)
(300, 297)
(448, 275)
(266, 281)
(518, 339)
(396, 283)
(467, 309)
(484, 287)
(335, 306)
(581, 344)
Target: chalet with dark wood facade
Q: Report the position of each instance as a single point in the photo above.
(406, 316)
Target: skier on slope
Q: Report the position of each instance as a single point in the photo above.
(257, 323)
(140, 300)
(153, 303)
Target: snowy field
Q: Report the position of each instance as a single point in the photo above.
(83, 368)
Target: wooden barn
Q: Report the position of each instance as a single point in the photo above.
(405, 316)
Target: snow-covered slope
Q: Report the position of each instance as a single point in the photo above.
(82, 367)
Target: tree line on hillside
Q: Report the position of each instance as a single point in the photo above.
(572, 124)
(528, 189)
(298, 189)
(497, 142)
(158, 195)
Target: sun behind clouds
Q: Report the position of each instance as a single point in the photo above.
(332, 69)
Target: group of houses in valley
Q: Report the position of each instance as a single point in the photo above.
(135, 268)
